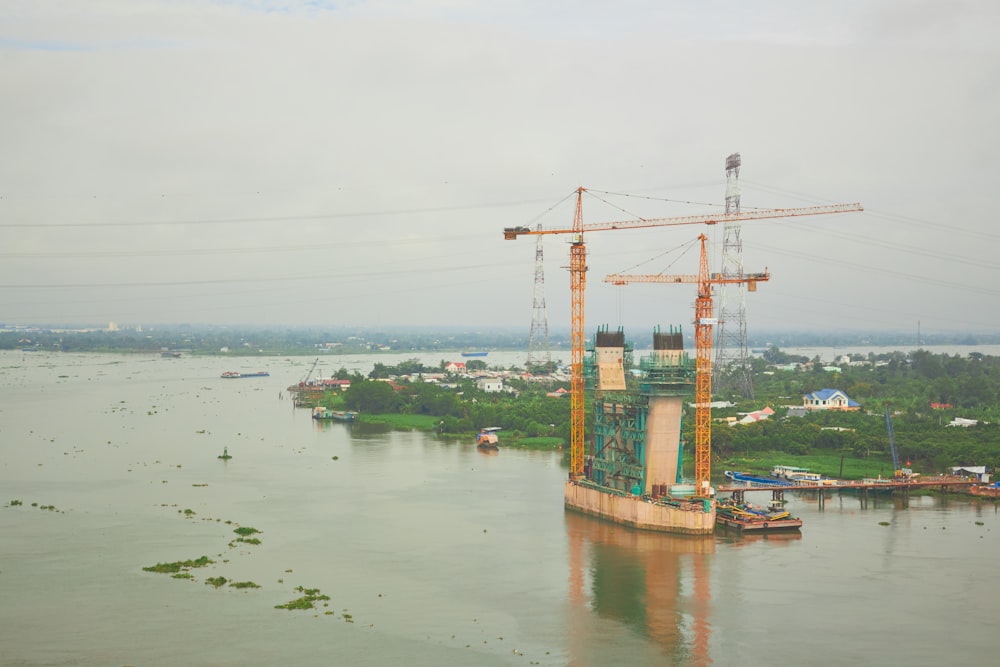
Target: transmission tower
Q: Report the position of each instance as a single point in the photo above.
(538, 340)
(732, 360)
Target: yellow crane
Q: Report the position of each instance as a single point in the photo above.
(578, 281)
(704, 320)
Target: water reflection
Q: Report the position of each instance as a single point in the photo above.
(658, 585)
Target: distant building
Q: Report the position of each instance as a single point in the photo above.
(964, 423)
(332, 383)
(941, 406)
(977, 472)
(455, 367)
(755, 416)
(491, 385)
(829, 399)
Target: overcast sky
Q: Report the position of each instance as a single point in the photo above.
(354, 162)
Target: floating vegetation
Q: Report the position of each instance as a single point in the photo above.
(246, 530)
(310, 596)
(179, 565)
(216, 581)
(187, 512)
(883, 523)
(979, 523)
(14, 503)
(181, 575)
(243, 584)
(247, 540)
(199, 485)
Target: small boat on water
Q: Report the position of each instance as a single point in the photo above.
(744, 517)
(230, 375)
(488, 439)
(986, 490)
(322, 413)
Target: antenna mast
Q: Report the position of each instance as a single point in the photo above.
(732, 359)
(538, 340)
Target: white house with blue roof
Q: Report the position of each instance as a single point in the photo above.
(829, 399)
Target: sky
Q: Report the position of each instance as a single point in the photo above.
(353, 163)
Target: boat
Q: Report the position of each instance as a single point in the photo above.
(474, 354)
(229, 375)
(986, 490)
(322, 413)
(170, 354)
(744, 517)
(757, 480)
(487, 438)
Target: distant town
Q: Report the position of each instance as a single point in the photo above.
(249, 340)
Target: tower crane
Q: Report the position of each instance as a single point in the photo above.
(898, 471)
(703, 323)
(578, 281)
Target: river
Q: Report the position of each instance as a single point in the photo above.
(431, 552)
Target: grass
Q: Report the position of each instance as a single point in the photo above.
(178, 565)
(828, 465)
(216, 581)
(309, 597)
(245, 530)
(403, 422)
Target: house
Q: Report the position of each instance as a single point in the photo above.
(829, 399)
(455, 367)
(755, 416)
(491, 385)
(333, 383)
(977, 472)
(558, 393)
(941, 406)
(963, 422)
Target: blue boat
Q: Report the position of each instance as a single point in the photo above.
(474, 354)
(747, 478)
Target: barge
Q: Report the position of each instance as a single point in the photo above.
(745, 518)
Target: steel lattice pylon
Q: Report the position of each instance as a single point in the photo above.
(538, 339)
(732, 358)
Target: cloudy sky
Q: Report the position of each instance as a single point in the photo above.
(354, 162)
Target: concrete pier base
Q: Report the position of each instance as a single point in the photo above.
(687, 517)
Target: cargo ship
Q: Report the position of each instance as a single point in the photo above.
(230, 375)
(632, 476)
(474, 354)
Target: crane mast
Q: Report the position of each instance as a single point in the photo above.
(704, 320)
(578, 281)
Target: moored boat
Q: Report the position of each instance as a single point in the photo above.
(986, 490)
(230, 375)
(744, 517)
(488, 439)
(756, 480)
(323, 413)
(474, 354)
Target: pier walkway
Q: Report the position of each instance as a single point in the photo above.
(941, 483)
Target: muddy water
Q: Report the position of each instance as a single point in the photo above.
(431, 552)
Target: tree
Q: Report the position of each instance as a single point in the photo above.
(371, 396)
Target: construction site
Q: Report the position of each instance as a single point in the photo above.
(626, 465)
